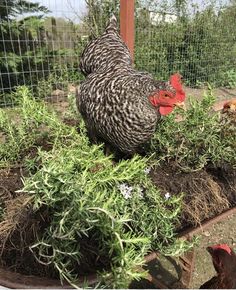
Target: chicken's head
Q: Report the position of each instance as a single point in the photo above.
(169, 96)
(223, 257)
(229, 106)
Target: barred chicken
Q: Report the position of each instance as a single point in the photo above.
(120, 105)
(224, 261)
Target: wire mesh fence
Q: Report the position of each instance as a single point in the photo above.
(35, 49)
(40, 44)
(200, 44)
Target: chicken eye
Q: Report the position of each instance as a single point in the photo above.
(166, 95)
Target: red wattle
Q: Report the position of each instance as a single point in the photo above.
(165, 110)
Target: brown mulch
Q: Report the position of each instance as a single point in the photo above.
(10, 181)
(19, 224)
(208, 192)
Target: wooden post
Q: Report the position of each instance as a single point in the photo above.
(127, 24)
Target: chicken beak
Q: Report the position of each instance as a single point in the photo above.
(233, 108)
(210, 250)
(181, 105)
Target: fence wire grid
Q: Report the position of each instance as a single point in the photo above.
(41, 42)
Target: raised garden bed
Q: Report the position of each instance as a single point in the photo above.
(184, 267)
(207, 193)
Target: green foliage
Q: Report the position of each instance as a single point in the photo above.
(29, 54)
(197, 46)
(60, 77)
(230, 79)
(100, 212)
(16, 138)
(19, 38)
(72, 111)
(10, 8)
(30, 122)
(99, 12)
(197, 140)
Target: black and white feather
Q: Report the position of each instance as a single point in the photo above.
(113, 99)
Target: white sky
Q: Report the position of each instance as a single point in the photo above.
(72, 9)
(75, 9)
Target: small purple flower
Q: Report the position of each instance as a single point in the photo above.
(147, 170)
(167, 195)
(125, 190)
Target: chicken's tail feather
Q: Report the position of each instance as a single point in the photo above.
(112, 24)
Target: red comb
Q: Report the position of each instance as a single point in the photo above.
(175, 81)
(224, 247)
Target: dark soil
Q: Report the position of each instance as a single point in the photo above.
(71, 122)
(226, 178)
(19, 225)
(10, 181)
(208, 192)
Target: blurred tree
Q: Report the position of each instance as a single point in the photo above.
(99, 12)
(201, 46)
(18, 38)
(180, 8)
(12, 8)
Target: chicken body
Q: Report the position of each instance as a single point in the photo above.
(114, 98)
(118, 110)
(224, 261)
(106, 51)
